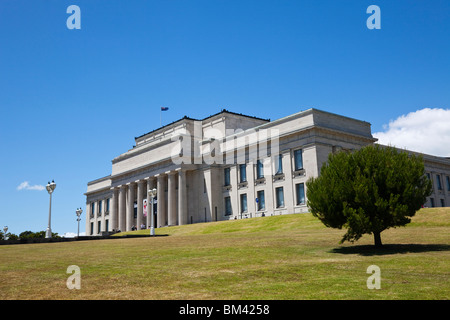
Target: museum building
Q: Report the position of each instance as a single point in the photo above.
(229, 166)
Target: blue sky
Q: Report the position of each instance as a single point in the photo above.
(72, 100)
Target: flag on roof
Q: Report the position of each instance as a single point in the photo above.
(164, 108)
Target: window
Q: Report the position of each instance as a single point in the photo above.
(242, 173)
(279, 164)
(438, 180)
(106, 225)
(100, 207)
(92, 209)
(92, 228)
(448, 182)
(300, 192)
(228, 211)
(280, 197)
(298, 160)
(261, 200)
(244, 202)
(442, 203)
(226, 175)
(99, 226)
(107, 205)
(432, 202)
(259, 169)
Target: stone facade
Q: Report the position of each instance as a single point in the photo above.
(228, 166)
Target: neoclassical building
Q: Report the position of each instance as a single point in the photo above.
(229, 166)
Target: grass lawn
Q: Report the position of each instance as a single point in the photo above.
(281, 257)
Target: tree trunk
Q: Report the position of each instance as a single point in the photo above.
(377, 238)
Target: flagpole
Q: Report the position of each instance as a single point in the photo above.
(161, 109)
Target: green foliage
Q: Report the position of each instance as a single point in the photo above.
(368, 191)
(11, 236)
(26, 235)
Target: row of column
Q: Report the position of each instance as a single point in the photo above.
(169, 211)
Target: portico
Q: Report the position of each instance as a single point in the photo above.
(128, 200)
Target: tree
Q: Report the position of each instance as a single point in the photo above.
(368, 191)
(26, 235)
(36, 235)
(11, 236)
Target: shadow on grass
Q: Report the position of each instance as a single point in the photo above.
(371, 250)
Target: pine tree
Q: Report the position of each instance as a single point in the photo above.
(368, 191)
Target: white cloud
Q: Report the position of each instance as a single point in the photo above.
(426, 131)
(26, 186)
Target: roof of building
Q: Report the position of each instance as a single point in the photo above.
(213, 115)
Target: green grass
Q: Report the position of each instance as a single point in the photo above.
(282, 257)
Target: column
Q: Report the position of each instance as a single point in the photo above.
(88, 219)
(141, 184)
(122, 207)
(182, 201)
(150, 185)
(171, 203)
(113, 209)
(97, 217)
(130, 206)
(161, 211)
(103, 223)
(289, 189)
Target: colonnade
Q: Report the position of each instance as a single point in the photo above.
(171, 206)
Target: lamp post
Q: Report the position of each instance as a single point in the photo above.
(79, 212)
(152, 195)
(50, 188)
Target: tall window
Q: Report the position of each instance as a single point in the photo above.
(99, 226)
(432, 202)
(279, 164)
(228, 211)
(244, 202)
(261, 200)
(92, 228)
(448, 183)
(106, 225)
(259, 169)
(243, 173)
(107, 205)
(226, 176)
(429, 178)
(298, 160)
(438, 180)
(100, 207)
(300, 192)
(92, 209)
(280, 197)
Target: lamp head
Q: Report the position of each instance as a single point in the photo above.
(152, 192)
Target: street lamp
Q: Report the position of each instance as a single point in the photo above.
(50, 188)
(152, 195)
(78, 212)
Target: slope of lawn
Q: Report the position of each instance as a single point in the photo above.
(280, 257)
